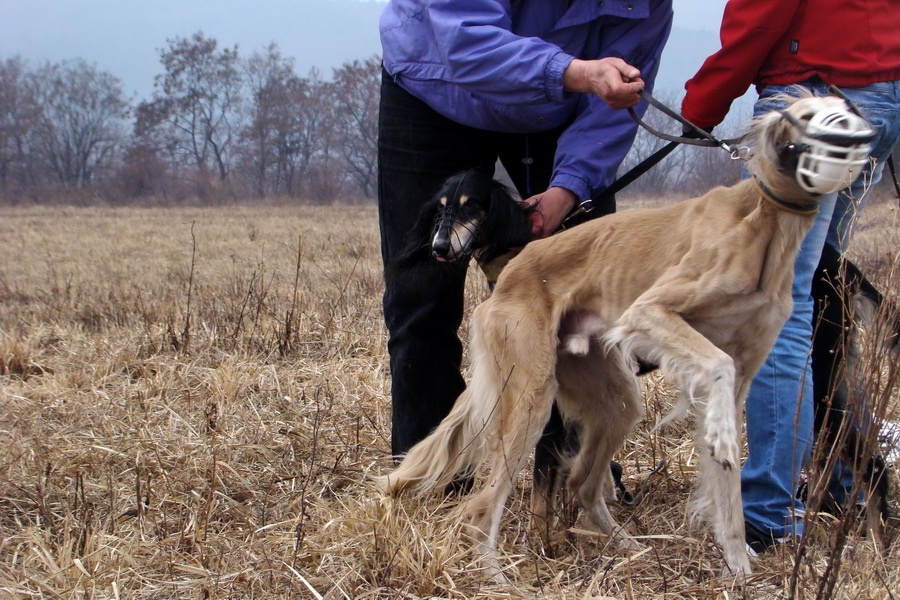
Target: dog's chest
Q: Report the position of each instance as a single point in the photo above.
(747, 323)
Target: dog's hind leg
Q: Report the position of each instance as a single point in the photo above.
(602, 395)
(557, 442)
(522, 357)
(518, 433)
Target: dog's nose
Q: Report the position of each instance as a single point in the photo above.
(440, 246)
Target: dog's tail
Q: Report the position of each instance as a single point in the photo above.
(457, 446)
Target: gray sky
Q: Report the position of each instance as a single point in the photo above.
(124, 36)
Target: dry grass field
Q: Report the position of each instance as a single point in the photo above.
(192, 402)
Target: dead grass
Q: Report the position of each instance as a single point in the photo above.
(193, 401)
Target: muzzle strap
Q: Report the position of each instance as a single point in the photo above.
(844, 138)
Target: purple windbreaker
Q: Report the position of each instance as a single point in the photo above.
(498, 65)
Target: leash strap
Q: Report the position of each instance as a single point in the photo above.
(708, 139)
(603, 202)
(633, 500)
(600, 203)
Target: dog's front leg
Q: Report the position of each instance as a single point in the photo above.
(721, 424)
(704, 373)
(718, 496)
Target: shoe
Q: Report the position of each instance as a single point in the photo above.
(759, 542)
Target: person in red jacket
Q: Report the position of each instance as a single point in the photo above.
(782, 46)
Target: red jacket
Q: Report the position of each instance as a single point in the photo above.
(847, 43)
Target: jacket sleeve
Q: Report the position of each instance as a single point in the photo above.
(591, 149)
(483, 56)
(750, 29)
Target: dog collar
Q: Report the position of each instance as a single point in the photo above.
(796, 208)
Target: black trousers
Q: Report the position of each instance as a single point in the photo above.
(417, 150)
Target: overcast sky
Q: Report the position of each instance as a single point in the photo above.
(124, 36)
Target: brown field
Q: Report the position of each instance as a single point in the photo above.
(193, 401)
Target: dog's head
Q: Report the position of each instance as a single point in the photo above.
(816, 145)
(477, 215)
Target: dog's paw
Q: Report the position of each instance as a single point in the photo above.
(628, 543)
(737, 567)
(721, 439)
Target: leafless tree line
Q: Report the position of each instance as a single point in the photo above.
(217, 126)
(220, 127)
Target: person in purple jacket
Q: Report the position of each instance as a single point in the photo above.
(538, 85)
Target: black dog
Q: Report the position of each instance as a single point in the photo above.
(471, 215)
(837, 285)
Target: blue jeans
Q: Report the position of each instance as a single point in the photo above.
(780, 402)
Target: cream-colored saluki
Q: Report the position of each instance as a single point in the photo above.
(700, 288)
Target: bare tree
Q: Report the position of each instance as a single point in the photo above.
(82, 120)
(267, 80)
(195, 111)
(19, 112)
(285, 129)
(310, 144)
(355, 93)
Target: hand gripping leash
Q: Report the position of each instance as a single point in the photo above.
(603, 202)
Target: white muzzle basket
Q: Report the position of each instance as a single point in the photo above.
(833, 149)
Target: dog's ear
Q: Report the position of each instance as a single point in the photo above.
(767, 134)
(506, 225)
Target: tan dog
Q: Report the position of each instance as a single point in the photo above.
(700, 288)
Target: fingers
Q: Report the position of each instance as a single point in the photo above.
(612, 79)
(628, 72)
(550, 209)
(621, 83)
(537, 224)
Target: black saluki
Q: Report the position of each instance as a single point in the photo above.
(471, 215)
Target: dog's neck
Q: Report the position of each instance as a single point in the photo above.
(803, 208)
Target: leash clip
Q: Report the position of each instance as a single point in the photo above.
(740, 153)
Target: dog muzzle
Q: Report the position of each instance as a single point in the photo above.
(440, 241)
(833, 148)
(452, 240)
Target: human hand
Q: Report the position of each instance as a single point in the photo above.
(550, 209)
(612, 79)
